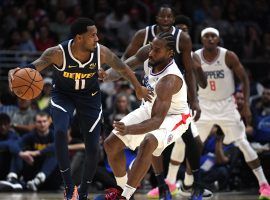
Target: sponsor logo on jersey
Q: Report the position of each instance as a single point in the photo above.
(147, 84)
(92, 65)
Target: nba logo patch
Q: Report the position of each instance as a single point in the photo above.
(170, 138)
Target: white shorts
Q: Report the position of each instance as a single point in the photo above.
(194, 132)
(223, 113)
(170, 130)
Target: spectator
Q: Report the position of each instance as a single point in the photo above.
(37, 149)
(7, 138)
(44, 39)
(23, 119)
(27, 43)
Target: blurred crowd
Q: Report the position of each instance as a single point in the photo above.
(27, 157)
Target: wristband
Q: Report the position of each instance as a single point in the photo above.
(28, 66)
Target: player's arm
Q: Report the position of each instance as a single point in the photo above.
(50, 56)
(198, 71)
(133, 62)
(165, 89)
(135, 44)
(109, 58)
(235, 65)
(185, 47)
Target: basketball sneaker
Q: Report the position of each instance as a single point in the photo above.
(11, 183)
(110, 194)
(186, 191)
(264, 192)
(75, 195)
(154, 193)
(164, 193)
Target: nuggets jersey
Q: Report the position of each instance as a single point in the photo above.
(74, 76)
(179, 100)
(219, 76)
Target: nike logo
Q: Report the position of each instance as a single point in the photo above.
(71, 66)
(94, 93)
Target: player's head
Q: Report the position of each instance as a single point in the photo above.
(165, 18)
(84, 32)
(162, 49)
(183, 22)
(4, 124)
(210, 38)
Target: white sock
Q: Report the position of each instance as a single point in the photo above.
(188, 180)
(260, 175)
(128, 191)
(121, 181)
(172, 173)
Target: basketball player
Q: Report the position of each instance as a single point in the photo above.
(217, 101)
(153, 126)
(75, 86)
(164, 23)
(178, 152)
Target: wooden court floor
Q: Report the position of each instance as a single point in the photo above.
(59, 196)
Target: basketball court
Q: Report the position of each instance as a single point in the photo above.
(59, 196)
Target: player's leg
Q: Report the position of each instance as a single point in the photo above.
(114, 148)
(62, 109)
(141, 165)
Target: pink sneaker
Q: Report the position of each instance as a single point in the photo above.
(264, 192)
(154, 193)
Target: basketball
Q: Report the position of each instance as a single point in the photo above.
(27, 83)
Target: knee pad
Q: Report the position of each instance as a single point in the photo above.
(244, 146)
(178, 151)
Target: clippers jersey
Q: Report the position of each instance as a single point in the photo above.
(74, 76)
(219, 76)
(179, 100)
(150, 34)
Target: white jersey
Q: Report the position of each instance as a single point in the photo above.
(179, 100)
(219, 76)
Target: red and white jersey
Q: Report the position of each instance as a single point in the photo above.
(219, 76)
(179, 100)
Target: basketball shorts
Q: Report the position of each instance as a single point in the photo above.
(170, 130)
(223, 113)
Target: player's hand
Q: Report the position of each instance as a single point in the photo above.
(10, 77)
(196, 110)
(120, 127)
(246, 114)
(102, 75)
(34, 153)
(144, 93)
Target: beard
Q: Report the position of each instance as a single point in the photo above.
(154, 64)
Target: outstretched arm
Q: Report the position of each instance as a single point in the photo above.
(135, 44)
(133, 62)
(113, 61)
(165, 89)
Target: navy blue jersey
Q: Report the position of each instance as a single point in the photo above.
(150, 34)
(74, 76)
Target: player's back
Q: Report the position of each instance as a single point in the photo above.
(74, 76)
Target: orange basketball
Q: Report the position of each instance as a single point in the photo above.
(27, 83)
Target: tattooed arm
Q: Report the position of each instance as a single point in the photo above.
(109, 58)
(50, 56)
(133, 62)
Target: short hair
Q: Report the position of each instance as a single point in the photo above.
(169, 39)
(80, 26)
(182, 19)
(4, 119)
(165, 5)
(41, 114)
